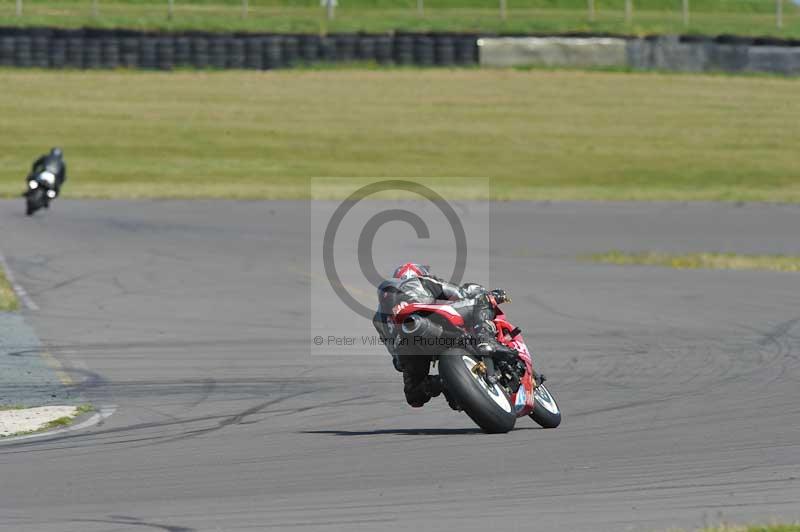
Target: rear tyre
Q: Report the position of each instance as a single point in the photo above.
(488, 406)
(545, 411)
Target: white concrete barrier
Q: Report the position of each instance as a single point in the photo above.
(552, 52)
(658, 53)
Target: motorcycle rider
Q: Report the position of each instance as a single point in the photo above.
(414, 283)
(52, 162)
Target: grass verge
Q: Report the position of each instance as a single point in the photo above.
(58, 423)
(539, 135)
(747, 17)
(712, 261)
(66, 421)
(8, 299)
(754, 528)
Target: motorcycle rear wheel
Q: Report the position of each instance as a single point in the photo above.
(487, 405)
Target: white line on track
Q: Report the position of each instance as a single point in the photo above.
(29, 303)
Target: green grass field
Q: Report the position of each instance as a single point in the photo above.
(700, 261)
(537, 134)
(754, 528)
(8, 299)
(750, 17)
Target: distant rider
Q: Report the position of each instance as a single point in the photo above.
(413, 283)
(52, 162)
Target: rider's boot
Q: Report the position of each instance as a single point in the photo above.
(451, 401)
(419, 387)
(433, 385)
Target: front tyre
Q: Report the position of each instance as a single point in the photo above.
(545, 410)
(33, 201)
(487, 405)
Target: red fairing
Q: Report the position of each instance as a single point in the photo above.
(445, 311)
(523, 403)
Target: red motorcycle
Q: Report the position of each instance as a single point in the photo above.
(493, 391)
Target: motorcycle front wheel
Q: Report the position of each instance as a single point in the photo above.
(545, 411)
(33, 201)
(487, 404)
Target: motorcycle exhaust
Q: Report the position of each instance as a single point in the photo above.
(421, 327)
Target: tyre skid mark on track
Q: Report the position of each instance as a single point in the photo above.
(64, 283)
(327, 522)
(498, 506)
(208, 388)
(783, 357)
(169, 344)
(786, 344)
(128, 428)
(676, 484)
(735, 505)
(239, 418)
(780, 331)
(783, 353)
(300, 410)
(623, 406)
(133, 521)
(550, 309)
(225, 420)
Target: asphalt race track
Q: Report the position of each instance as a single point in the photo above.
(680, 389)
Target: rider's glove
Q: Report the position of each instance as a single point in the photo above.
(472, 290)
(500, 296)
(397, 308)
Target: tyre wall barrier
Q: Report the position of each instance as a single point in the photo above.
(423, 51)
(272, 56)
(109, 49)
(254, 53)
(40, 51)
(7, 45)
(183, 52)
(290, 51)
(58, 53)
(23, 51)
(404, 50)
(684, 54)
(200, 52)
(129, 52)
(148, 52)
(74, 52)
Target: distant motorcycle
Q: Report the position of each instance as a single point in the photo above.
(494, 393)
(41, 190)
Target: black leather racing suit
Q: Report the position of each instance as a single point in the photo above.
(471, 301)
(52, 164)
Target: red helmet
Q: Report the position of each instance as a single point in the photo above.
(410, 269)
